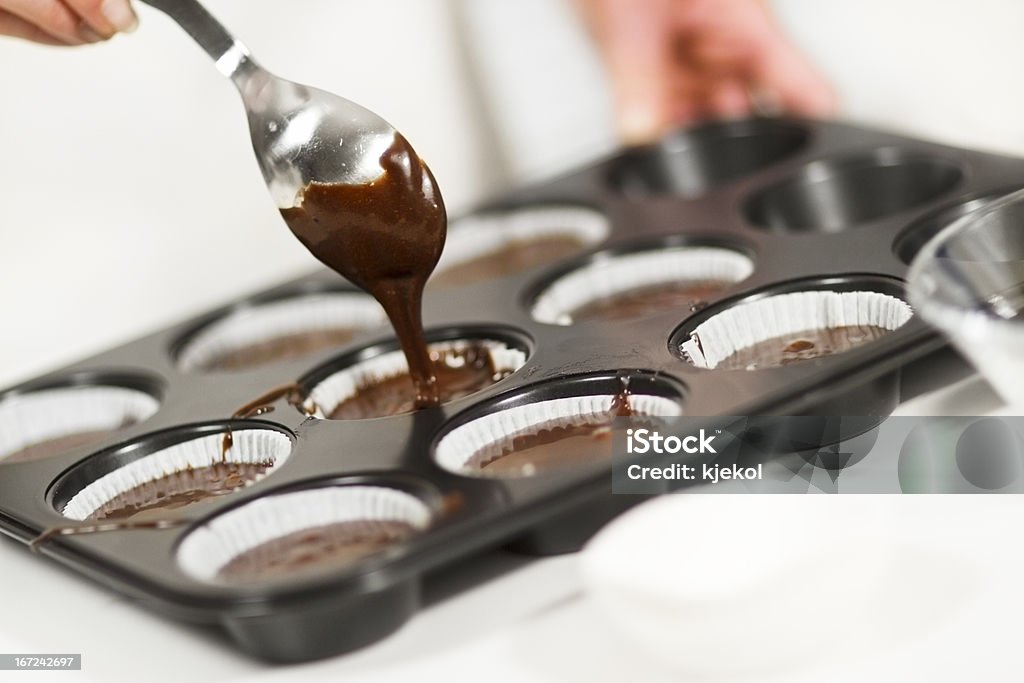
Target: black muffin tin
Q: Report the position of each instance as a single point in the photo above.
(814, 204)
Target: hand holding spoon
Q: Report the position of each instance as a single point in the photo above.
(348, 184)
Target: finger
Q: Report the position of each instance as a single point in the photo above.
(55, 18)
(798, 86)
(780, 68)
(16, 27)
(106, 17)
(728, 99)
(636, 46)
(699, 94)
(718, 54)
(686, 97)
(741, 39)
(684, 112)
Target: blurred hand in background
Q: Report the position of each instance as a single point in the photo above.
(673, 62)
(66, 22)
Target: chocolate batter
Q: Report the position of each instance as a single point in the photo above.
(800, 346)
(510, 258)
(459, 373)
(285, 347)
(386, 237)
(684, 295)
(548, 450)
(262, 405)
(57, 446)
(80, 529)
(332, 546)
(558, 448)
(179, 490)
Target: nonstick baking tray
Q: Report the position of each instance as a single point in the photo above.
(815, 205)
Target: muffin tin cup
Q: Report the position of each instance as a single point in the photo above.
(210, 547)
(838, 194)
(485, 235)
(248, 327)
(561, 372)
(740, 327)
(92, 412)
(485, 439)
(326, 391)
(697, 161)
(100, 480)
(614, 275)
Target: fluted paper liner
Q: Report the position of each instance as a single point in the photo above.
(210, 547)
(620, 274)
(487, 436)
(746, 324)
(337, 388)
(308, 313)
(37, 416)
(250, 447)
(478, 235)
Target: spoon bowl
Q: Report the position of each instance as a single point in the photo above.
(300, 135)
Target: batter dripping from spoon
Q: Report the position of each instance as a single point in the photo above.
(385, 236)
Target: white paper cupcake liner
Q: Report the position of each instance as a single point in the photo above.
(475, 236)
(210, 547)
(618, 274)
(37, 416)
(249, 447)
(487, 437)
(264, 322)
(746, 324)
(344, 384)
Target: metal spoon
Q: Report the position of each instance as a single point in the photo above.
(300, 135)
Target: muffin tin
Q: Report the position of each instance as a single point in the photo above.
(789, 206)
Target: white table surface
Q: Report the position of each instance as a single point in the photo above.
(531, 623)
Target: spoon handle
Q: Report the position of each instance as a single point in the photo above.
(229, 53)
